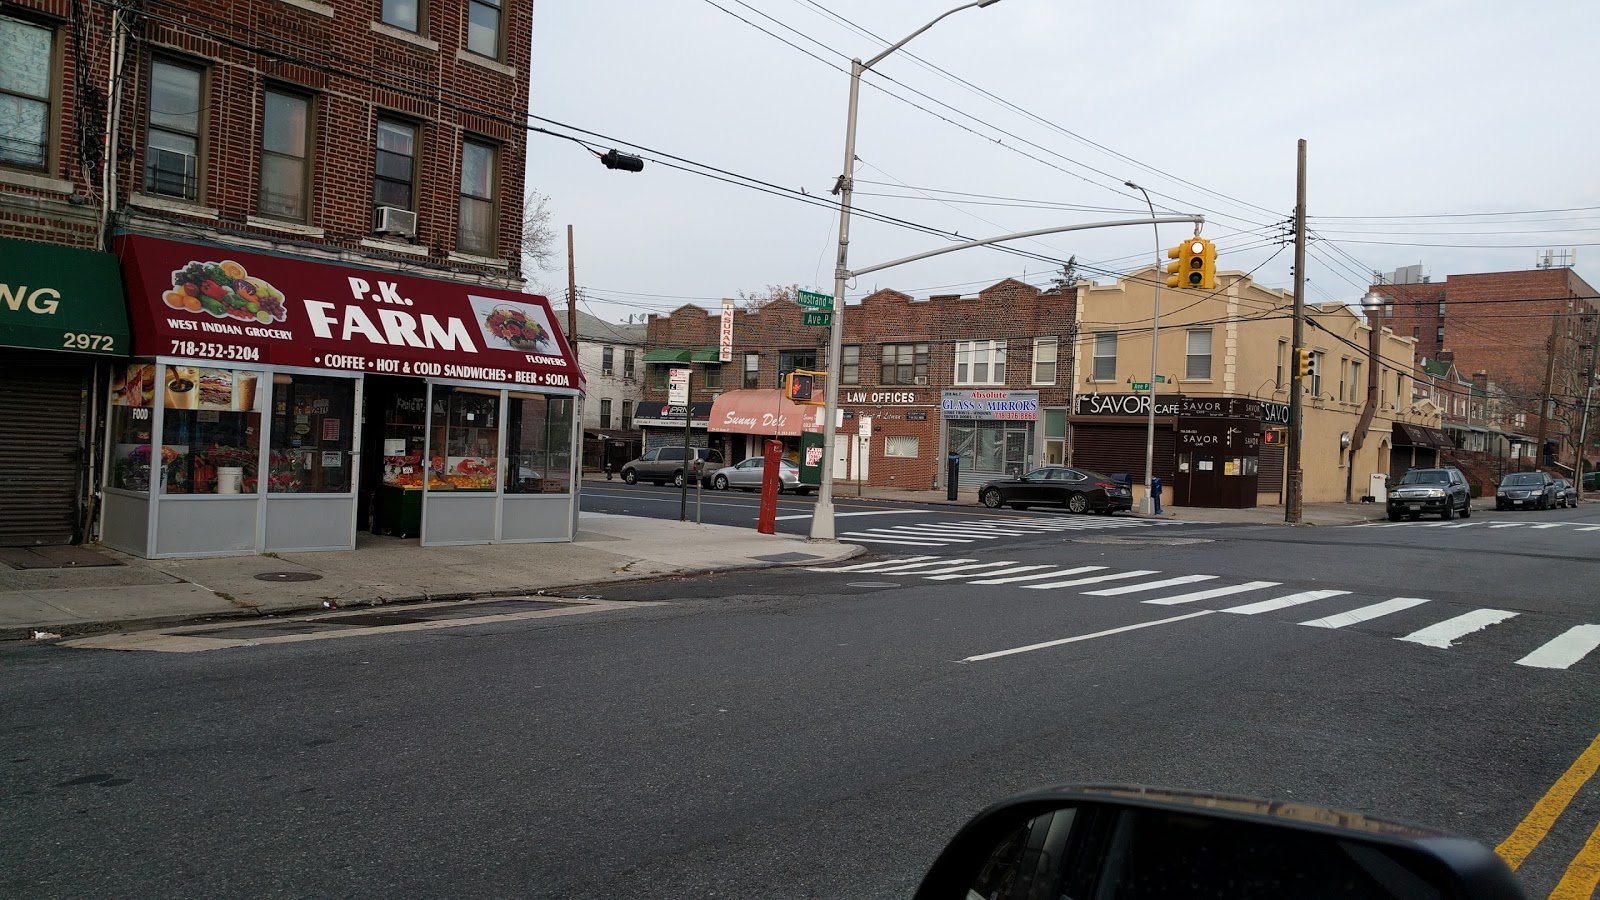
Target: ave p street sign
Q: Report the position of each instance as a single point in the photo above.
(824, 319)
(1141, 385)
(814, 301)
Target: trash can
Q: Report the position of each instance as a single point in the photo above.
(1155, 494)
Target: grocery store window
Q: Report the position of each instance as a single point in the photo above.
(539, 444)
(173, 129)
(27, 93)
(475, 232)
(285, 156)
(313, 423)
(1044, 360)
(406, 14)
(605, 413)
(210, 431)
(483, 28)
(394, 173)
(464, 439)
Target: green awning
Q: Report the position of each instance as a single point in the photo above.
(666, 356)
(707, 356)
(59, 298)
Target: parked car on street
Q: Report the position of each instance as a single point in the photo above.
(1441, 491)
(1525, 490)
(663, 464)
(746, 476)
(1566, 494)
(1079, 490)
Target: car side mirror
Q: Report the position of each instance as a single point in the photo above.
(1151, 843)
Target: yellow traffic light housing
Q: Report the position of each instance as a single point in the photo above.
(1175, 269)
(1304, 362)
(801, 386)
(1196, 266)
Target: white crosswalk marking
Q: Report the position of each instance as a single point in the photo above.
(963, 568)
(1548, 525)
(997, 572)
(1214, 592)
(1508, 525)
(1136, 588)
(1366, 613)
(862, 567)
(858, 538)
(1277, 603)
(887, 534)
(1056, 574)
(1114, 576)
(1444, 634)
(1588, 528)
(1569, 647)
(894, 566)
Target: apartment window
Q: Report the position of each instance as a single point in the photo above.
(1044, 361)
(395, 171)
(904, 446)
(1344, 371)
(627, 415)
(981, 362)
(1316, 373)
(605, 413)
(1441, 309)
(1283, 350)
(752, 370)
(25, 93)
(904, 364)
(607, 360)
(405, 14)
(850, 364)
(483, 28)
(1438, 334)
(1198, 363)
(658, 376)
(1399, 390)
(711, 377)
(1416, 332)
(627, 364)
(475, 231)
(1105, 356)
(790, 360)
(1388, 310)
(1355, 380)
(285, 156)
(172, 134)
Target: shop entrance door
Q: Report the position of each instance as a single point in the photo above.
(394, 419)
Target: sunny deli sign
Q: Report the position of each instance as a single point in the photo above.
(210, 302)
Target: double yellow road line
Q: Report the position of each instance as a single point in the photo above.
(1583, 873)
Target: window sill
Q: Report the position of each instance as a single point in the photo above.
(37, 182)
(1194, 380)
(467, 56)
(475, 260)
(394, 246)
(997, 385)
(146, 201)
(321, 9)
(400, 34)
(285, 227)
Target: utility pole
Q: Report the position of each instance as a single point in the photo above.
(1544, 395)
(1583, 429)
(1292, 507)
(572, 298)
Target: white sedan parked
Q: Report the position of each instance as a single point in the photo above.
(746, 476)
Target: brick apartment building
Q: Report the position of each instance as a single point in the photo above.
(305, 172)
(929, 374)
(1506, 330)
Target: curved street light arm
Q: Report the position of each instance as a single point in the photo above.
(1165, 220)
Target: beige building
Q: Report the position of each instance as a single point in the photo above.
(1222, 373)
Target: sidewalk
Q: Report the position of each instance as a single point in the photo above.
(107, 589)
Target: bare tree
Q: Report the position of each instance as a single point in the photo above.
(538, 238)
(756, 300)
(1068, 278)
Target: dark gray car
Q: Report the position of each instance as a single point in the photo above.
(664, 464)
(1525, 490)
(1442, 491)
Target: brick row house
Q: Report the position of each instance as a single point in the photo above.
(310, 220)
(986, 377)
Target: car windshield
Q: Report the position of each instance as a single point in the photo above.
(1525, 479)
(1425, 478)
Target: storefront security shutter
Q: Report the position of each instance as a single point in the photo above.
(41, 414)
(1119, 450)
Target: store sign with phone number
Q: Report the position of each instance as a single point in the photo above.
(212, 302)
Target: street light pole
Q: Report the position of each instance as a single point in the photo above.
(1147, 506)
(822, 515)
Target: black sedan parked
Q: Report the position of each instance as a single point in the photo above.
(1077, 489)
(1525, 490)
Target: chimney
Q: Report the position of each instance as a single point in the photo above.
(1446, 356)
(1480, 380)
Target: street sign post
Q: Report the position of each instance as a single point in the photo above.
(678, 386)
(1141, 386)
(813, 300)
(824, 319)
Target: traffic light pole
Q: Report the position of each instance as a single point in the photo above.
(1292, 502)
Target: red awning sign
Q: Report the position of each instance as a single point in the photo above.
(764, 413)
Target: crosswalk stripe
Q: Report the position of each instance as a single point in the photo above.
(1549, 525)
(1114, 576)
(1214, 592)
(1136, 588)
(894, 566)
(940, 533)
(857, 538)
(1284, 602)
(1056, 574)
(1567, 648)
(1366, 613)
(978, 530)
(1444, 634)
(999, 572)
(1508, 525)
(862, 567)
(886, 534)
(1588, 528)
(962, 568)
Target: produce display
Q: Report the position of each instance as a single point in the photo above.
(226, 291)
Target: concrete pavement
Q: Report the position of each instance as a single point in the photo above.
(124, 591)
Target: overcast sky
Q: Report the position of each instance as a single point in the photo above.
(1430, 109)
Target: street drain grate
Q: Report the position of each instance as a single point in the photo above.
(288, 576)
(1131, 541)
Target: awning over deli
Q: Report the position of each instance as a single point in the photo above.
(763, 413)
(59, 298)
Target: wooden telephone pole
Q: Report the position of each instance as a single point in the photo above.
(572, 299)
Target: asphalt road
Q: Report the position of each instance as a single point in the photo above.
(798, 733)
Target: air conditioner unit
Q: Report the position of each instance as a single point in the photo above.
(171, 173)
(394, 220)
(605, 372)
(921, 379)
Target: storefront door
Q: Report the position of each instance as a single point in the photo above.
(394, 419)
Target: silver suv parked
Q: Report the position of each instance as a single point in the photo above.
(664, 464)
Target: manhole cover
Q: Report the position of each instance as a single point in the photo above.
(288, 576)
(873, 584)
(1130, 541)
(786, 557)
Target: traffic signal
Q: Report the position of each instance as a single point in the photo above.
(801, 387)
(1274, 435)
(1304, 362)
(1196, 265)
